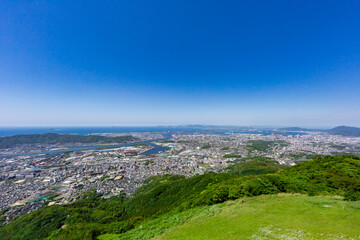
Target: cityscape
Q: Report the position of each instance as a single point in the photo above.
(179, 120)
(30, 181)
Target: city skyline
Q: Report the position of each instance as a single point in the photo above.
(139, 63)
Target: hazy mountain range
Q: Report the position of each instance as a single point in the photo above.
(340, 130)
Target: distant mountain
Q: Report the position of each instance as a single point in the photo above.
(52, 138)
(293, 129)
(341, 130)
(201, 126)
(296, 129)
(345, 131)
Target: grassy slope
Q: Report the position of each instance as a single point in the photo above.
(273, 217)
(169, 195)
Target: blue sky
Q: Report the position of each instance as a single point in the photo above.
(274, 63)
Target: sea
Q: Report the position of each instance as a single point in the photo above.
(10, 131)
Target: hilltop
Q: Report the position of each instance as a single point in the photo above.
(297, 217)
(169, 197)
(345, 131)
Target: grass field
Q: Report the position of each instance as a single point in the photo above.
(275, 217)
(264, 217)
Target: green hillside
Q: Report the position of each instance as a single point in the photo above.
(253, 166)
(272, 217)
(264, 217)
(171, 196)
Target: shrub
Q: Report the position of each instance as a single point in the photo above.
(351, 195)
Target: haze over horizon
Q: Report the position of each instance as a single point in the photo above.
(142, 63)
(85, 126)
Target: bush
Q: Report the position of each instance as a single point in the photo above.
(351, 195)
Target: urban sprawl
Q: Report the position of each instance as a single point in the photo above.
(30, 181)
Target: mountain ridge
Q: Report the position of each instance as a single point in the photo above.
(52, 138)
(339, 130)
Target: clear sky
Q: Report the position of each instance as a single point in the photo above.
(281, 63)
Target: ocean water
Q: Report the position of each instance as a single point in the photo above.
(10, 131)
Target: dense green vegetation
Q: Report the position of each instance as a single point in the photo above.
(52, 138)
(254, 166)
(205, 146)
(301, 156)
(167, 195)
(157, 226)
(261, 145)
(232, 155)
